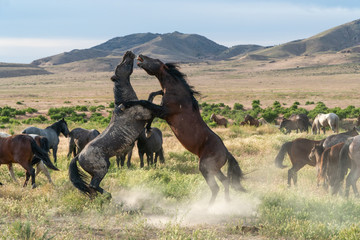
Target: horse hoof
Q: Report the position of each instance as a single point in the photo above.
(107, 195)
(1, 184)
(33, 186)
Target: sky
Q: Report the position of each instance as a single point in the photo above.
(33, 29)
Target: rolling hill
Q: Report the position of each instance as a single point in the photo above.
(169, 47)
(333, 40)
(179, 47)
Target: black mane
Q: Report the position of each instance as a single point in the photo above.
(173, 70)
(57, 126)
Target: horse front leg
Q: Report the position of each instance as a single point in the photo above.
(156, 110)
(54, 154)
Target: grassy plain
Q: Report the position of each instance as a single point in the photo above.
(170, 201)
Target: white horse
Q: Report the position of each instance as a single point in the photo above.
(322, 121)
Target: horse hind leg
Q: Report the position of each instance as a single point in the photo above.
(210, 180)
(12, 174)
(225, 181)
(41, 168)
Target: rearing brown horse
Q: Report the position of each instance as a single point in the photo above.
(181, 111)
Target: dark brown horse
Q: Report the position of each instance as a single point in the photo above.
(221, 121)
(181, 111)
(251, 121)
(296, 122)
(328, 161)
(21, 149)
(298, 151)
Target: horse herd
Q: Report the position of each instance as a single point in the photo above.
(131, 120)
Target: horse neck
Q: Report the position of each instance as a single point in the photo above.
(123, 91)
(56, 127)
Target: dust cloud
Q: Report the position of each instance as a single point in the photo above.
(159, 211)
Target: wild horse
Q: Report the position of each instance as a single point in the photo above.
(21, 149)
(180, 109)
(149, 146)
(322, 121)
(51, 133)
(219, 120)
(78, 138)
(350, 157)
(298, 151)
(122, 131)
(43, 143)
(251, 121)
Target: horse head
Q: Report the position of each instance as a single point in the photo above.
(125, 68)
(150, 65)
(64, 128)
(212, 117)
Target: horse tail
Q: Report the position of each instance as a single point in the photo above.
(78, 177)
(344, 159)
(280, 156)
(324, 163)
(41, 154)
(161, 155)
(44, 144)
(234, 173)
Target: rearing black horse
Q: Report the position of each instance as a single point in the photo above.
(181, 111)
(122, 131)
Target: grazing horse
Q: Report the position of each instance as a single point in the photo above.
(149, 146)
(322, 121)
(181, 111)
(21, 149)
(122, 131)
(328, 161)
(350, 156)
(295, 122)
(219, 120)
(51, 133)
(251, 121)
(78, 138)
(298, 151)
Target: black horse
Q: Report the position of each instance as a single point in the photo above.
(149, 146)
(51, 133)
(122, 131)
(78, 138)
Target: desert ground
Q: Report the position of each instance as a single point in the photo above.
(171, 200)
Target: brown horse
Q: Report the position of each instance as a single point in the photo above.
(219, 120)
(298, 151)
(328, 164)
(21, 149)
(180, 109)
(251, 121)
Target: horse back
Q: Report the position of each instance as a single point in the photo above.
(301, 147)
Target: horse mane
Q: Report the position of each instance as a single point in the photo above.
(173, 70)
(57, 126)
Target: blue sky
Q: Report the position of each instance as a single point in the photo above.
(32, 29)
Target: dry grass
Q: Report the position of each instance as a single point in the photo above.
(143, 205)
